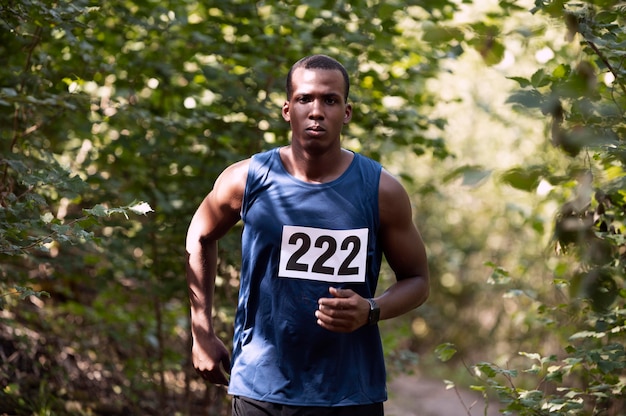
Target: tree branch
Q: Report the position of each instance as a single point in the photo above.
(607, 63)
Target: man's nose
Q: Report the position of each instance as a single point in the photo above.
(316, 110)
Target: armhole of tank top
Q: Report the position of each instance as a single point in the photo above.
(244, 200)
(256, 161)
(379, 171)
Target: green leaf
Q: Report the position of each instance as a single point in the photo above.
(587, 334)
(437, 34)
(540, 79)
(489, 370)
(493, 52)
(562, 71)
(523, 82)
(526, 98)
(522, 179)
(499, 276)
(531, 355)
(472, 175)
(98, 210)
(445, 351)
(25, 292)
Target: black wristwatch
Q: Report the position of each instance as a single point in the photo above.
(374, 315)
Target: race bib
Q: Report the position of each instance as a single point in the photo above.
(337, 256)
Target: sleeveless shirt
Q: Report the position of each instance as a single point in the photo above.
(298, 240)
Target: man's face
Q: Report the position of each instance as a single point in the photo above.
(317, 109)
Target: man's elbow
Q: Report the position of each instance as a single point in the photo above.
(422, 289)
(196, 243)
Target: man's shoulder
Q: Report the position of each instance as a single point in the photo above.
(237, 169)
(390, 184)
(232, 181)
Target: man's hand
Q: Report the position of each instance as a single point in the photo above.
(211, 359)
(346, 311)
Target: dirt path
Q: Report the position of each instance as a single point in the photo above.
(418, 396)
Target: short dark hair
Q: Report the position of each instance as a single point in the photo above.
(319, 62)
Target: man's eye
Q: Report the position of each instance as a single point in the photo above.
(331, 101)
(304, 99)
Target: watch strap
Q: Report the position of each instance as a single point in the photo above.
(374, 314)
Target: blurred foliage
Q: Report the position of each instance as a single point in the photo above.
(103, 104)
(573, 361)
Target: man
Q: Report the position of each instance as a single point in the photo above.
(317, 220)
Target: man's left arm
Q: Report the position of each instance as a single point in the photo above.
(404, 250)
(345, 310)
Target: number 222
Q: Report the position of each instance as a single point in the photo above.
(351, 243)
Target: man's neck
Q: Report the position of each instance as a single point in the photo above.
(316, 168)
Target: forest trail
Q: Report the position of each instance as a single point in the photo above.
(420, 396)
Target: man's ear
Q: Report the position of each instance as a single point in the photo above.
(285, 112)
(348, 115)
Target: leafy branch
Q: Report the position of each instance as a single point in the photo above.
(95, 213)
(24, 292)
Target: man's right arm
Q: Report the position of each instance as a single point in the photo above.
(217, 214)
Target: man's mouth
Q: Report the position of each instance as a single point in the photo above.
(316, 129)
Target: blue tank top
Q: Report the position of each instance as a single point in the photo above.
(298, 240)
